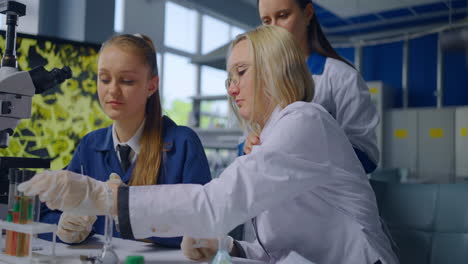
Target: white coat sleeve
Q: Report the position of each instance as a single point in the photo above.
(287, 164)
(355, 112)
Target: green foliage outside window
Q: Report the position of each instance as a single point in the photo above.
(179, 111)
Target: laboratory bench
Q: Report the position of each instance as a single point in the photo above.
(70, 254)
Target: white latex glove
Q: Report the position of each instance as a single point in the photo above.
(202, 249)
(70, 192)
(114, 178)
(74, 228)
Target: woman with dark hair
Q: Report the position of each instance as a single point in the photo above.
(339, 88)
(142, 145)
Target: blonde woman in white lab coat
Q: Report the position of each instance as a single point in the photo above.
(304, 186)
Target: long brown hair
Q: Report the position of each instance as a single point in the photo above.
(149, 159)
(316, 39)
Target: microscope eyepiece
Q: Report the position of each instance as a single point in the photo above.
(12, 10)
(44, 80)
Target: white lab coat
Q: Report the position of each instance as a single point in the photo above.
(341, 90)
(304, 184)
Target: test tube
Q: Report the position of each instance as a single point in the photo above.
(14, 213)
(25, 215)
(21, 219)
(36, 215)
(11, 201)
(27, 175)
(12, 187)
(9, 236)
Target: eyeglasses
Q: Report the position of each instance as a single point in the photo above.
(235, 77)
(230, 79)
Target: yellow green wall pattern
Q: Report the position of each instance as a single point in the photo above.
(60, 116)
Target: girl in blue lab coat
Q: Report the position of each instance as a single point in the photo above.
(142, 146)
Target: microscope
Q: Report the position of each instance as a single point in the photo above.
(16, 91)
(18, 87)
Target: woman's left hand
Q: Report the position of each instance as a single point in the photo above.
(199, 249)
(204, 249)
(70, 192)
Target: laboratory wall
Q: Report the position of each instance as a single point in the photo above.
(456, 78)
(347, 53)
(385, 63)
(84, 20)
(60, 116)
(145, 9)
(422, 72)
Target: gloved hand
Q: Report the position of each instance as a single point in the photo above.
(74, 228)
(114, 178)
(70, 192)
(202, 249)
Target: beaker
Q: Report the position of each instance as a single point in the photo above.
(222, 256)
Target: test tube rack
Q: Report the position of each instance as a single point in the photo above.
(31, 229)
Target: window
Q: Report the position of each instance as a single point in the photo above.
(119, 15)
(179, 79)
(179, 85)
(212, 81)
(213, 113)
(236, 31)
(180, 28)
(216, 114)
(159, 62)
(215, 34)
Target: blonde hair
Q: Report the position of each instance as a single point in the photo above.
(148, 162)
(280, 71)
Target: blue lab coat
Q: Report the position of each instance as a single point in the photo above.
(183, 162)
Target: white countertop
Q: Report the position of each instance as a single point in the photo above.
(152, 253)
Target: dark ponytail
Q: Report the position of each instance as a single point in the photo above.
(316, 38)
